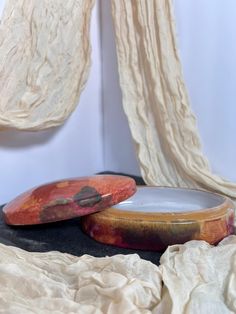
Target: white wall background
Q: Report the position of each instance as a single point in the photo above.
(119, 152)
(97, 137)
(207, 42)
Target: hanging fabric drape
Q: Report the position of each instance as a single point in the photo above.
(155, 99)
(44, 61)
(44, 64)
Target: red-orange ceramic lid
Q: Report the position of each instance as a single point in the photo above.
(67, 199)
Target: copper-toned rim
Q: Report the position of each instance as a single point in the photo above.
(202, 214)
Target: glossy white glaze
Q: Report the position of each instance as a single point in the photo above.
(160, 199)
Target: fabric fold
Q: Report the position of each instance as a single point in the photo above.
(200, 278)
(194, 277)
(62, 283)
(44, 61)
(155, 99)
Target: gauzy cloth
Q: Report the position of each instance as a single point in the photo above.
(61, 283)
(192, 278)
(155, 99)
(44, 61)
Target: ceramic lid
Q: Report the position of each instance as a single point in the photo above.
(67, 199)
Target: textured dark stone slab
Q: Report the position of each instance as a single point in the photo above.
(63, 236)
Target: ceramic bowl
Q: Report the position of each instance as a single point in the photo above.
(156, 217)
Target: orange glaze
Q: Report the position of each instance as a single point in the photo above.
(68, 198)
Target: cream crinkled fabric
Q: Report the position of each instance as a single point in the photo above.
(192, 278)
(44, 61)
(44, 64)
(200, 278)
(155, 99)
(61, 283)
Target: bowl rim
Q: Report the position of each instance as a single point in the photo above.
(205, 214)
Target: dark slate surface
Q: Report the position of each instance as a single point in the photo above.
(64, 236)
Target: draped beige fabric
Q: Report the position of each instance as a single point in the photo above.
(199, 278)
(155, 98)
(192, 278)
(61, 283)
(44, 64)
(44, 61)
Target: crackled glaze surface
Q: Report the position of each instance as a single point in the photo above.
(67, 199)
(155, 217)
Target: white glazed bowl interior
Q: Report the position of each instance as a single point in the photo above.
(170, 200)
